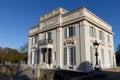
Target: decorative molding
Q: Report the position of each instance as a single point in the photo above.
(109, 45)
(69, 41)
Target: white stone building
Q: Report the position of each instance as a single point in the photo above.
(65, 39)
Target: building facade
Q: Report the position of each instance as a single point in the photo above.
(64, 39)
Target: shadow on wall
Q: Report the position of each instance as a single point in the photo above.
(85, 66)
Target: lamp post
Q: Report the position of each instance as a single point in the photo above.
(96, 45)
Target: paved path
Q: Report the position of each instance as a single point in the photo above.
(113, 73)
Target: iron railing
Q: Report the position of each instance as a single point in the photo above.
(45, 41)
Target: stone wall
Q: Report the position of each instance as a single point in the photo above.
(8, 69)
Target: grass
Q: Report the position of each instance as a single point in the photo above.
(1, 74)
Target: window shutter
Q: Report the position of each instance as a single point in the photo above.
(65, 55)
(74, 31)
(65, 33)
(90, 31)
(74, 55)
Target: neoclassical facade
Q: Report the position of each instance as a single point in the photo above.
(65, 39)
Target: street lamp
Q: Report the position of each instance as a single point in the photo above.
(96, 45)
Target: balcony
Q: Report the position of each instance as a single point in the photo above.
(34, 46)
(45, 41)
(69, 41)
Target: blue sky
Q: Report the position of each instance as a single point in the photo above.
(18, 16)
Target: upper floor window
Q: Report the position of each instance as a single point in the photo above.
(91, 54)
(35, 39)
(69, 32)
(103, 56)
(49, 35)
(44, 35)
(92, 31)
(101, 35)
(108, 37)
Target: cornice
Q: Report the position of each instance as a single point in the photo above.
(83, 9)
(81, 17)
(32, 34)
(73, 11)
(56, 15)
(98, 25)
(97, 16)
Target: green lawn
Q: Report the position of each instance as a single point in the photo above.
(1, 74)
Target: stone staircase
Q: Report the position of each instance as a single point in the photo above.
(26, 74)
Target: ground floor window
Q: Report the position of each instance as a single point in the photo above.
(102, 56)
(91, 55)
(110, 57)
(70, 55)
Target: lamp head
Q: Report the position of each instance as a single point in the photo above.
(96, 44)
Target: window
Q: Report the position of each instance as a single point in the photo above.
(69, 32)
(101, 35)
(108, 38)
(91, 54)
(35, 39)
(49, 35)
(32, 40)
(70, 54)
(110, 59)
(102, 56)
(37, 53)
(65, 33)
(45, 36)
(92, 31)
(65, 55)
(54, 56)
(43, 51)
(31, 58)
(35, 59)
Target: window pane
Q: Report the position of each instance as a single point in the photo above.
(110, 57)
(74, 31)
(74, 55)
(70, 31)
(90, 31)
(103, 36)
(91, 54)
(49, 35)
(70, 56)
(32, 40)
(31, 57)
(108, 38)
(65, 56)
(103, 57)
(65, 33)
(36, 39)
(94, 33)
(45, 36)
